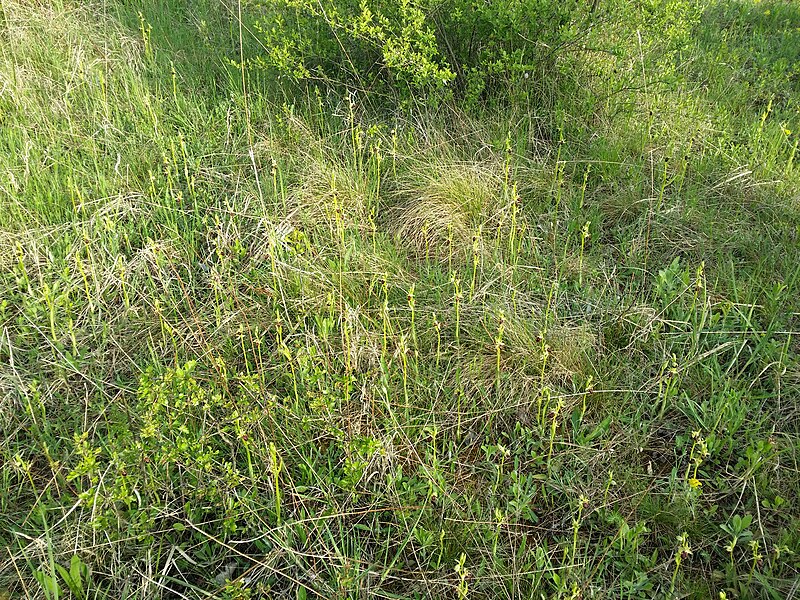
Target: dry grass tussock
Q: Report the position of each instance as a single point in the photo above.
(563, 350)
(331, 194)
(452, 208)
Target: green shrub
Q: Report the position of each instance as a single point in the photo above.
(427, 48)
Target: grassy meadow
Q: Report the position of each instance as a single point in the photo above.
(264, 340)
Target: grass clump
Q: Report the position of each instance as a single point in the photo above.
(257, 348)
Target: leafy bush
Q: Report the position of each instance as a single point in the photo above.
(407, 48)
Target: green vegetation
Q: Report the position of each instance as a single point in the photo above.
(506, 317)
